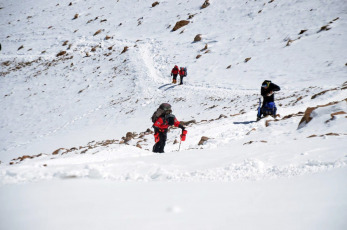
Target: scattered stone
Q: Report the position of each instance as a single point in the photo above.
(198, 38)
(21, 47)
(198, 56)
(222, 116)
(203, 140)
(205, 4)
(250, 131)
(97, 32)
(75, 17)
(302, 31)
(59, 151)
(185, 123)
(155, 4)
(205, 48)
(180, 24)
(247, 59)
(124, 50)
(324, 28)
(229, 66)
(61, 53)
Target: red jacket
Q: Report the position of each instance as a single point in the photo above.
(164, 125)
(174, 70)
(182, 73)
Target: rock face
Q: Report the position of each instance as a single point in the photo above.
(307, 115)
(180, 24)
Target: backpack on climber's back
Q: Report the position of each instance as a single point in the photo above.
(184, 71)
(164, 108)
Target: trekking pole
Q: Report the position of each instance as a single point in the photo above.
(180, 144)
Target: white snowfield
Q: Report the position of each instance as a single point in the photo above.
(66, 161)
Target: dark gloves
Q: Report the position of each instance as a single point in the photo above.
(171, 119)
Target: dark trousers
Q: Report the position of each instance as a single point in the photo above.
(181, 80)
(174, 76)
(159, 146)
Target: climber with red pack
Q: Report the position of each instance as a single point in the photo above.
(174, 73)
(163, 119)
(183, 73)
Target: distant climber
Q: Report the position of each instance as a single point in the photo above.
(174, 73)
(183, 73)
(162, 119)
(267, 91)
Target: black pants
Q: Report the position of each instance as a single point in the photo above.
(174, 76)
(159, 146)
(181, 80)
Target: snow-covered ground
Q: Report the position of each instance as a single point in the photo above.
(65, 117)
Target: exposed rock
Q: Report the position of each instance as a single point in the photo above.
(205, 4)
(180, 24)
(198, 38)
(129, 136)
(61, 53)
(138, 146)
(154, 4)
(247, 59)
(125, 49)
(222, 116)
(203, 140)
(251, 131)
(205, 48)
(58, 151)
(307, 116)
(198, 56)
(188, 122)
(75, 17)
(302, 31)
(97, 32)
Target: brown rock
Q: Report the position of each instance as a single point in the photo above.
(58, 151)
(125, 49)
(180, 24)
(61, 53)
(198, 56)
(203, 140)
(154, 4)
(97, 32)
(247, 59)
(197, 38)
(205, 4)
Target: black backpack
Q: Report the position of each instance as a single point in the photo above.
(160, 111)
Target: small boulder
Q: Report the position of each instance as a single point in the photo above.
(154, 4)
(206, 4)
(180, 24)
(203, 140)
(197, 38)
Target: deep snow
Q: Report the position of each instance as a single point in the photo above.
(96, 93)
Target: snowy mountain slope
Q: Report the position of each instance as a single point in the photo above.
(86, 114)
(73, 99)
